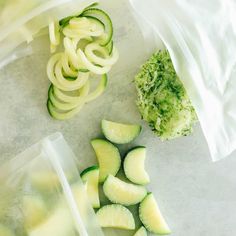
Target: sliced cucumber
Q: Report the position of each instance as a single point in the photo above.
(96, 21)
(141, 232)
(78, 27)
(134, 166)
(118, 191)
(61, 105)
(99, 90)
(115, 216)
(108, 158)
(57, 109)
(58, 115)
(59, 223)
(44, 181)
(120, 133)
(65, 21)
(104, 17)
(110, 47)
(5, 231)
(34, 210)
(151, 216)
(92, 5)
(91, 177)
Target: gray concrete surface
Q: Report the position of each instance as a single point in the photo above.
(197, 197)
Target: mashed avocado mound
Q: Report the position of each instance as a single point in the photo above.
(162, 99)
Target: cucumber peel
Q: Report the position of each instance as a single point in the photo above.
(91, 177)
(103, 17)
(34, 210)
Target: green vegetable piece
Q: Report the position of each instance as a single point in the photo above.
(120, 133)
(115, 216)
(108, 158)
(5, 231)
(118, 191)
(65, 21)
(103, 17)
(141, 232)
(151, 217)
(135, 160)
(162, 98)
(91, 177)
(45, 181)
(34, 210)
(58, 223)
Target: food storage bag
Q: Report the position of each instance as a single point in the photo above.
(41, 193)
(22, 20)
(200, 36)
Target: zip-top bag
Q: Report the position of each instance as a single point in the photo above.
(22, 20)
(201, 39)
(42, 194)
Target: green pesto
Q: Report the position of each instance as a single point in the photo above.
(162, 98)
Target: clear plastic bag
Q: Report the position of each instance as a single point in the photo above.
(200, 36)
(22, 20)
(41, 193)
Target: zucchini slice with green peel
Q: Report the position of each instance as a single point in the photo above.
(118, 191)
(44, 181)
(34, 210)
(59, 223)
(135, 160)
(115, 216)
(151, 217)
(108, 158)
(65, 21)
(120, 133)
(103, 17)
(5, 231)
(110, 47)
(61, 105)
(92, 5)
(141, 232)
(91, 177)
(99, 90)
(56, 114)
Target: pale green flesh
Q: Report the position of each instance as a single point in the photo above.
(115, 216)
(120, 133)
(5, 231)
(108, 158)
(102, 16)
(44, 180)
(34, 210)
(151, 216)
(134, 166)
(63, 110)
(118, 191)
(141, 232)
(59, 223)
(91, 177)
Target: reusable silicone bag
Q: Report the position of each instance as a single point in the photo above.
(41, 193)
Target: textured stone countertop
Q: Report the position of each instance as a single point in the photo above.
(197, 196)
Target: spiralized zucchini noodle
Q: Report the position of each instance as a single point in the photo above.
(88, 51)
